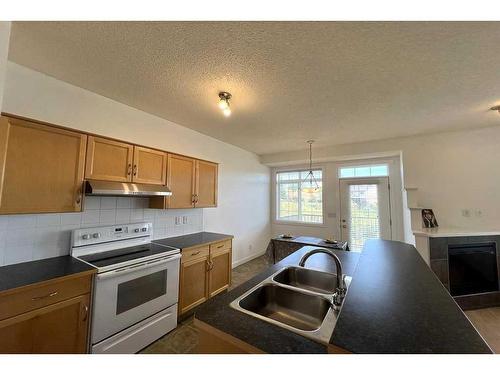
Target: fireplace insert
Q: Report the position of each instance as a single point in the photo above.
(473, 268)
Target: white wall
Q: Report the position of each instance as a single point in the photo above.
(243, 206)
(331, 200)
(452, 171)
(4, 51)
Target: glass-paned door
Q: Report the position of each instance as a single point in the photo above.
(365, 210)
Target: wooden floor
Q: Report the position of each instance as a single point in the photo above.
(487, 322)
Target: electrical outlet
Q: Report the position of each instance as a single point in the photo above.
(465, 212)
(478, 212)
(177, 220)
(250, 247)
(184, 220)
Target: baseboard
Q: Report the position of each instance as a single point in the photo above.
(247, 259)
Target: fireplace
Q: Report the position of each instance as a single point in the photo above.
(472, 268)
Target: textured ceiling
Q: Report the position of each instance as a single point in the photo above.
(336, 82)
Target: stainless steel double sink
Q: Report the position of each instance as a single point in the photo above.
(295, 298)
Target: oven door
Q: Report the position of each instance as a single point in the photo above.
(128, 295)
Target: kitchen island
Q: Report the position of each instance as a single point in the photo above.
(394, 304)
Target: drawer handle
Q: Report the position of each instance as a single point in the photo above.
(218, 247)
(45, 296)
(193, 254)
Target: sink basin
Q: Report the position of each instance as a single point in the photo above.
(294, 298)
(303, 278)
(295, 309)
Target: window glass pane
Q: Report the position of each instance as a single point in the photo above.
(286, 176)
(346, 172)
(312, 204)
(288, 195)
(364, 171)
(298, 200)
(316, 174)
(379, 170)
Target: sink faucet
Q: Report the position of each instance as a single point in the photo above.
(340, 288)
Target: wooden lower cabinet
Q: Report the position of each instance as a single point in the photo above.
(220, 270)
(193, 283)
(56, 328)
(205, 272)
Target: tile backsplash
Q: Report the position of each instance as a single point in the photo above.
(31, 237)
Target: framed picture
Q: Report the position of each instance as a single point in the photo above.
(428, 218)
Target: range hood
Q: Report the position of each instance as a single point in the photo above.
(116, 189)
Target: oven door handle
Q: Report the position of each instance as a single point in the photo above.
(138, 267)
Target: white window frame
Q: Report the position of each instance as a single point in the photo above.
(277, 201)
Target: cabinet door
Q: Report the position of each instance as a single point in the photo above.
(108, 160)
(193, 284)
(206, 184)
(41, 168)
(220, 271)
(150, 166)
(58, 328)
(181, 181)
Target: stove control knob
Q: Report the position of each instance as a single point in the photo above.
(86, 237)
(136, 230)
(96, 235)
(144, 229)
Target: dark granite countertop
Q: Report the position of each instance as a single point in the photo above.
(28, 273)
(192, 240)
(262, 335)
(394, 304)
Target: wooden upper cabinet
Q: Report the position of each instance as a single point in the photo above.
(181, 181)
(150, 166)
(109, 160)
(206, 184)
(41, 167)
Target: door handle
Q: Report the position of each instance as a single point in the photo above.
(129, 169)
(135, 169)
(138, 267)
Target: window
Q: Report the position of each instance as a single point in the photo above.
(364, 171)
(295, 203)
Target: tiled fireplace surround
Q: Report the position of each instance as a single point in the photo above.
(438, 248)
(30, 237)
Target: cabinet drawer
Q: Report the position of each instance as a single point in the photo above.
(220, 247)
(36, 297)
(194, 253)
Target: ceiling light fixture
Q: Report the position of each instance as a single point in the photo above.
(313, 184)
(496, 108)
(224, 103)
